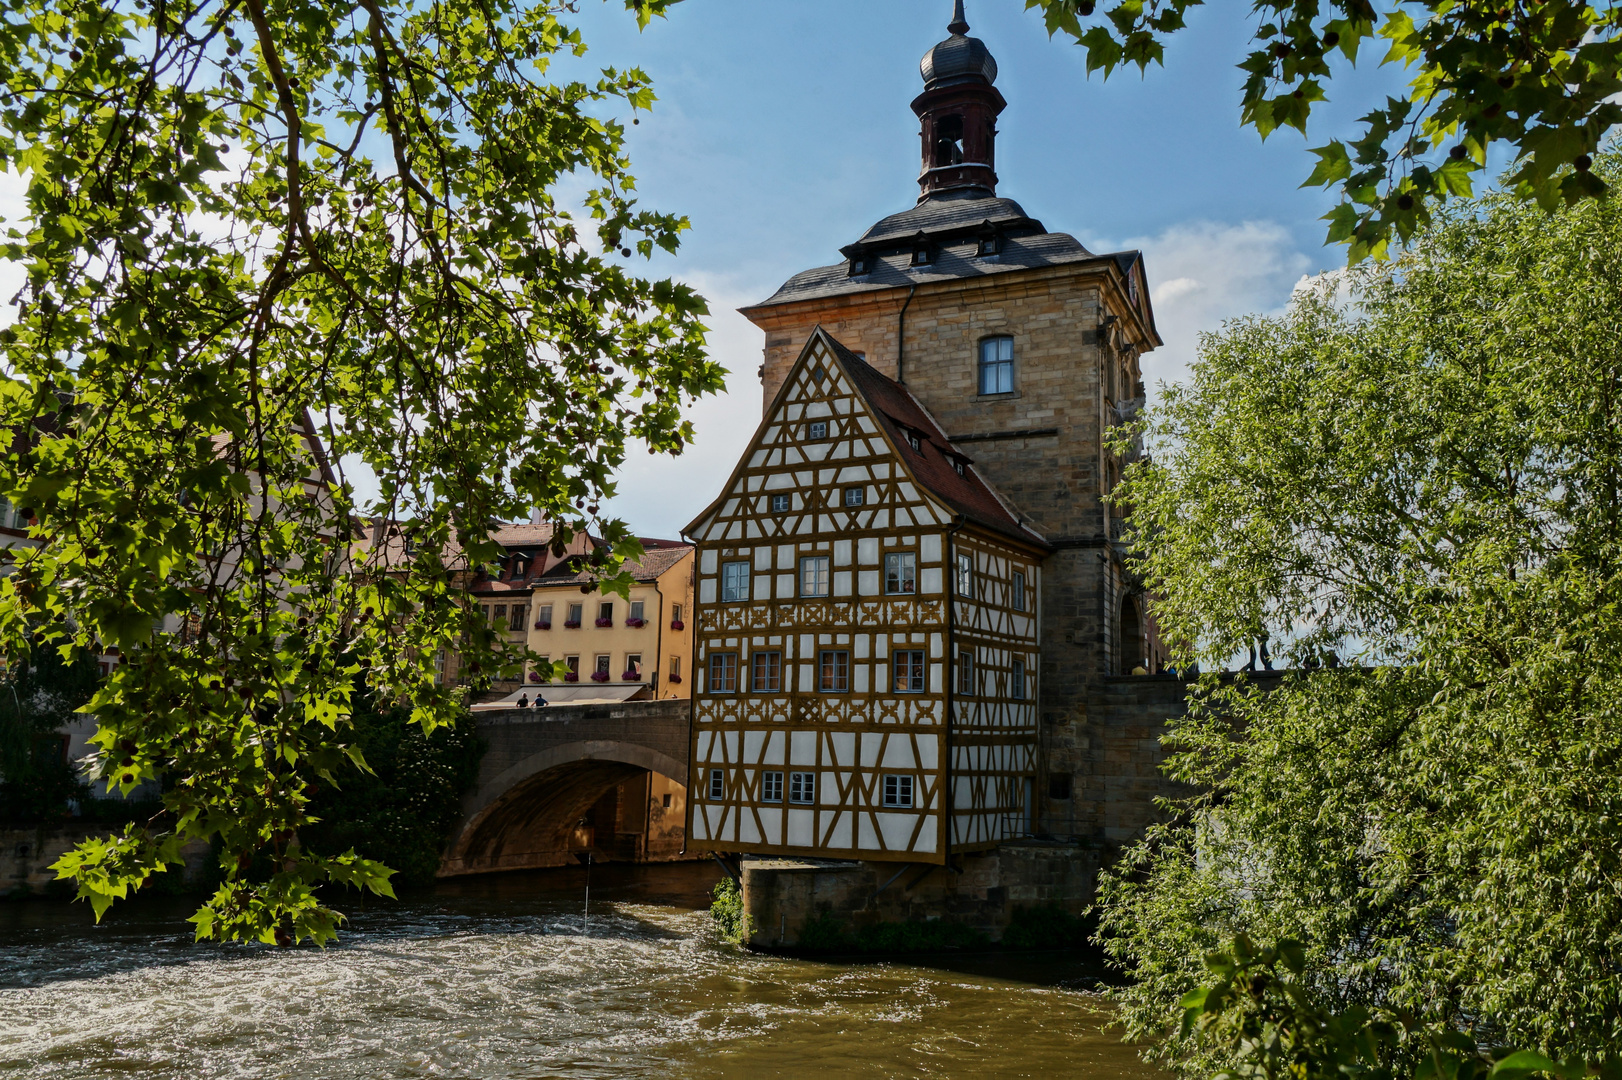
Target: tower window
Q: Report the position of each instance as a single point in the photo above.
(948, 141)
(997, 365)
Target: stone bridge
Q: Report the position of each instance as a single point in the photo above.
(567, 780)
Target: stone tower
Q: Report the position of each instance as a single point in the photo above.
(1024, 347)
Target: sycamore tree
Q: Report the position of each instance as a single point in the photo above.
(392, 228)
(1542, 76)
(1419, 490)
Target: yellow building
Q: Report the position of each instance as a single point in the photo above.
(612, 647)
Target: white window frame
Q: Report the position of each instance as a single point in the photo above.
(895, 563)
(815, 573)
(735, 581)
(802, 788)
(898, 791)
(771, 787)
(718, 784)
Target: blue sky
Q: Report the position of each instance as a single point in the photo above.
(783, 131)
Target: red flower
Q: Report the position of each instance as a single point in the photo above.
(535, 676)
(572, 625)
(599, 676)
(677, 624)
(636, 622)
(543, 625)
(605, 622)
(571, 676)
(631, 676)
(673, 678)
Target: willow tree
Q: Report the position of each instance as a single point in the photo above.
(255, 227)
(1424, 483)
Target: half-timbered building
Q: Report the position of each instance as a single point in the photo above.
(867, 634)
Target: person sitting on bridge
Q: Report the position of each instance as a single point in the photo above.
(523, 701)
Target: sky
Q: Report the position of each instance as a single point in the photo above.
(783, 131)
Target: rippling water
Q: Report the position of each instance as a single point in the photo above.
(499, 977)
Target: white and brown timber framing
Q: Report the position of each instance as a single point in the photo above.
(963, 744)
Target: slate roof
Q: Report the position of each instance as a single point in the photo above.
(951, 223)
(932, 464)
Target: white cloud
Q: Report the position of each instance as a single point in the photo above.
(658, 494)
(1203, 272)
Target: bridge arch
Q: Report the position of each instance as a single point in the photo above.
(559, 782)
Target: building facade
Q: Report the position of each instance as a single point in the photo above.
(640, 642)
(867, 645)
(1015, 350)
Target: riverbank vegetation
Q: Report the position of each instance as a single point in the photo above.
(1416, 493)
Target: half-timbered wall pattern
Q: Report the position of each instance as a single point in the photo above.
(825, 605)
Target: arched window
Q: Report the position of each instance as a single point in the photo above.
(997, 365)
(1131, 630)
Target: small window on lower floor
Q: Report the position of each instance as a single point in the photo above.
(1059, 786)
(771, 787)
(667, 800)
(802, 787)
(898, 791)
(718, 784)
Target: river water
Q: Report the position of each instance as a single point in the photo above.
(505, 977)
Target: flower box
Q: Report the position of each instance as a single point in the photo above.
(573, 625)
(631, 676)
(571, 676)
(605, 622)
(535, 676)
(673, 678)
(542, 624)
(677, 624)
(599, 676)
(636, 622)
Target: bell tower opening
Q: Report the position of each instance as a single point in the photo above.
(948, 141)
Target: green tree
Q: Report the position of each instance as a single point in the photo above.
(401, 810)
(1426, 481)
(1539, 75)
(256, 223)
(38, 697)
(1256, 1019)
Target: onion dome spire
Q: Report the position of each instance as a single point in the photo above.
(958, 110)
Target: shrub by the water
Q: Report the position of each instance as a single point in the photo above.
(726, 908)
(40, 695)
(402, 813)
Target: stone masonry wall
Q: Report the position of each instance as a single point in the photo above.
(780, 896)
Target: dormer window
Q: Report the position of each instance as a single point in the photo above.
(860, 264)
(989, 242)
(921, 254)
(914, 442)
(961, 469)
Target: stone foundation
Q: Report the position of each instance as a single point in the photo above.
(981, 891)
